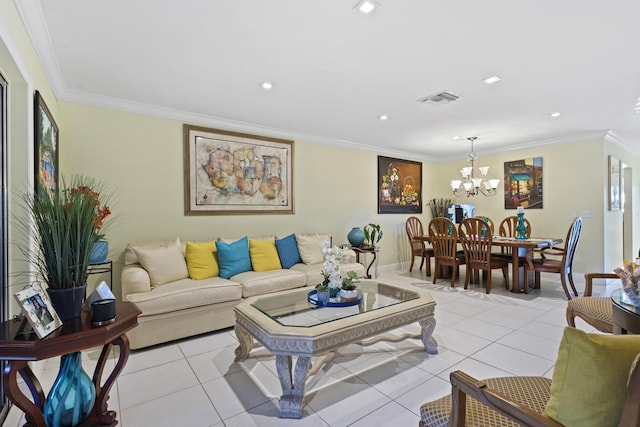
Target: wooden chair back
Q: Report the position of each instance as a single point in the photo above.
(507, 227)
(573, 237)
(444, 239)
(476, 238)
(414, 228)
(488, 221)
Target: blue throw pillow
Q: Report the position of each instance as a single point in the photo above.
(288, 251)
(233, 257)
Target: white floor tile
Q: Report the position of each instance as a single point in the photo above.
(531, 344)
(515, 362)
(208, 342)
(155, 356)
(390, 415)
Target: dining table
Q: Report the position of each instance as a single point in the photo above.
(519, 248)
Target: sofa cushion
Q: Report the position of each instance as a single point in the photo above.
(186, 293)
(288, 251)
(264, 255)
(590, 377)
(164, 262)
(254, 283)
(201, 260)
(309, 247)
(233, 258)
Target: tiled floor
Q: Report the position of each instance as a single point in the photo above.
(196, 382)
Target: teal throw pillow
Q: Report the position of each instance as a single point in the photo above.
(233, 258)
(288, 251)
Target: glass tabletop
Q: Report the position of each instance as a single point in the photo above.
(293, 308)
(622, 300)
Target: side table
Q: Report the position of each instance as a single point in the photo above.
(626, 317)
(17, 348)
(368, 250)
(102, 267)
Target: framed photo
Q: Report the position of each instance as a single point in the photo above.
(231, 173)
(37, 308)
(399, 186)
(46, 147)
(523, 183)
(615, 177)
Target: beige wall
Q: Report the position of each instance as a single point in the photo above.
(20, 67)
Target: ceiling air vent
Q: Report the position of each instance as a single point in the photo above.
(440, 98)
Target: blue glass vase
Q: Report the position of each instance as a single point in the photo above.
(521, 228)
(72, 395)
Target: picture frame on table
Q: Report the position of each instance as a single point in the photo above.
(615, 183)
(37, 309)
(399, 186)
(233, 173)
(46, 148)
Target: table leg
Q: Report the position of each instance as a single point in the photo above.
(515, 271)
(246, 343)
(101, 407)
(292, 384)
(33, 411)
(428, 325)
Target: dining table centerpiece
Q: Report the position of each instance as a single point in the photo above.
(629, 275)
(64, 226)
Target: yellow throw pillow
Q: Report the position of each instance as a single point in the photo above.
(589, 380)
(264, 255)
(201, 260)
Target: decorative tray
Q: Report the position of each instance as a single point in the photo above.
(312, 297)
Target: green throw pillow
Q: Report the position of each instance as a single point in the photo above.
(589, 380)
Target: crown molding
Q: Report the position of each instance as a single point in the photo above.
(615, 139)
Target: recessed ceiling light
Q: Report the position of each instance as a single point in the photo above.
(457, 137)
(366, 6)
(383, 117)
(491, 80)
(556, 114)
(266, 85)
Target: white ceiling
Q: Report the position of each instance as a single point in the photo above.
(335, 70)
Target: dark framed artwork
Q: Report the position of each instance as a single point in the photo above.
(46, 146)
(399, 186)
(231, 173)
(615, 177)
(523, 183)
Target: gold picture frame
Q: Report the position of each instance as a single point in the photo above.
(233, 173)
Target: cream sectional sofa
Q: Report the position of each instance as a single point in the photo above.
(176, 302)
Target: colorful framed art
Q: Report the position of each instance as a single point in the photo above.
(399, 186)
(46, 146)
(523, 183)
(236, 173)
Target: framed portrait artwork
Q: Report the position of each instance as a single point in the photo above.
(399, 186)
(523, 183)
(37, 309)
(615, 177)
(236, 173)
(46, 147)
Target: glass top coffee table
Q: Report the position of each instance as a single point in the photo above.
(288, 325)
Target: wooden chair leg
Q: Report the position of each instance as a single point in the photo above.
(413, 258)
(536, 283)
(488, 276)
(436, 269)
(453, 277)
(563, 280)
(428, 259)
(505, 274)
(573, 287)
(421, 262)
(571, 317)
(466, 277)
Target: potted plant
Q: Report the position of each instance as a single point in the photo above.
(349, 290)
(322, 292)
(372, 234)
(65, 225)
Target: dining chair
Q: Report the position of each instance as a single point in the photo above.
(596, 311)
(414, 228)
(562, 266)
(489, 221)
(507, 228)
(444, 239)
(476, 241)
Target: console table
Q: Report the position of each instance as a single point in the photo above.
(18, 345)
(368, 250)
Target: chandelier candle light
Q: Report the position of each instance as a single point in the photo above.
(471, 185)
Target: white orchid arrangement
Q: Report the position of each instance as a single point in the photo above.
(333, 256)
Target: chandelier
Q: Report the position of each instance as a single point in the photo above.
(469, 184)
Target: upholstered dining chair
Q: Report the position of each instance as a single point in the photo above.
(476, 241)
(596, 311)
(575, 396)
(444, 239)
(562, 266)
(418, 248)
